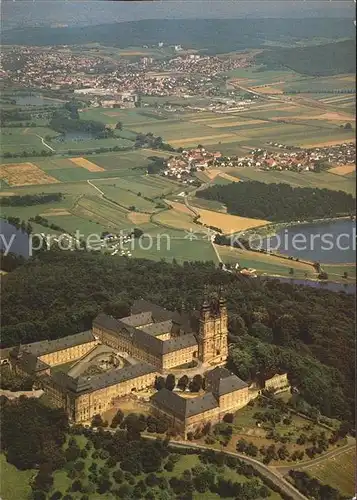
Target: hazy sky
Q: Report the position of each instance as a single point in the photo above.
(83, 12)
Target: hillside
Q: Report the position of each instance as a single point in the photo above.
(315, 60)
(308, 332)
(220, 35)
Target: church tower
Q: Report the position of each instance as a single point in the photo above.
(213, 331)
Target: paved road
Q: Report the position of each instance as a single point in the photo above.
(283, 469)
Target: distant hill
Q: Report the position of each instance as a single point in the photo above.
(214, 35)
(316, 60)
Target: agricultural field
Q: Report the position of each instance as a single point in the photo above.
(171, 248)
(17, 139)
(304, 179)
(151, 186)
(125, 198)
(125, 160)
(23, 174)
(176, 219)
(338, 472)
(90, 144)
(228, 223)
(103, 212)
(343, 169)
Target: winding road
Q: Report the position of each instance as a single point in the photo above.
(267, 472)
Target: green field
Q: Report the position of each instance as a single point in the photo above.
(125, 160)
(170, 248)
(108, 215)
(337, 472)
(17, 139)
(151, 186)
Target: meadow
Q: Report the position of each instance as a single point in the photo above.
(337, 472)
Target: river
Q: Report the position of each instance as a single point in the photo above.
(330, 242)
(13, 240)
(20, 246)
(349, 288)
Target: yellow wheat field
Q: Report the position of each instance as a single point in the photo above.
(228, 223)
(212, 173)
(25, 174)
(180, 207)
(328, 143)
(88, 165)
(229, 177)
(342, 169)
(138, 218)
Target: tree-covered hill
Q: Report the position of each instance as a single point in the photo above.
(273, 326)
(214, 35)
(279, 202)
(314, 60)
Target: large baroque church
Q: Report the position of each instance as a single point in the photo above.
(154, 341)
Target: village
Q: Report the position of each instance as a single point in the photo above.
(183, 166)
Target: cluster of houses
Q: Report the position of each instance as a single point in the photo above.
(300, 159)
(183, 166)
(204, 65)
(293, 158)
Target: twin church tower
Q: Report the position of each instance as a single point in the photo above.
(212, 335)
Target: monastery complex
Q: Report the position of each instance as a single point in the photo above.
(89, 372)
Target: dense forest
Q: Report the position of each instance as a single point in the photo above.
(273, 326)
(214, 35)
(314, 60)
(280, 202)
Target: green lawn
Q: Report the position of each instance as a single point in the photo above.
(14, 484)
